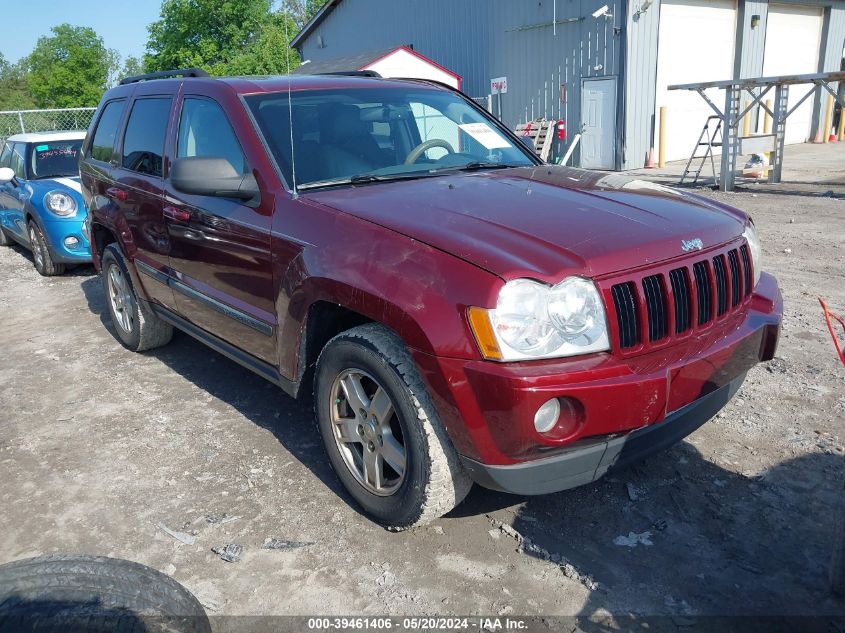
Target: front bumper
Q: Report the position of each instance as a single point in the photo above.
(488, 408)
(57, 232)
(593, 459)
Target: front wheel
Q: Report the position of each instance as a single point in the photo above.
(44, 263)
(137, 326)
(381, 430)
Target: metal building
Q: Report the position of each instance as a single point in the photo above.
(603, 66)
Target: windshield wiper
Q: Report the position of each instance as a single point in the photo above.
(362, 179)
(476, 166)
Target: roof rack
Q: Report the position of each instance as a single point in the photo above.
(352, 73)
(164, 74)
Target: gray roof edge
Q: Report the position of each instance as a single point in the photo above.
(314, 22)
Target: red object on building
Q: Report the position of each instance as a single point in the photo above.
(561, 130)
(527, 130)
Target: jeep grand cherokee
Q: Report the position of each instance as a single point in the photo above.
(460, 311)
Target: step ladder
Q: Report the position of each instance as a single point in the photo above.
(710, 137)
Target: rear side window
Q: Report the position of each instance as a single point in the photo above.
(204, 130)
(18, 162)
(143, 143)
(103, 144)
(6, 155)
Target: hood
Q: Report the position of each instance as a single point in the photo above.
(544, 222)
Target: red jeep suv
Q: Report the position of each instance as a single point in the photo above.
(463, 312)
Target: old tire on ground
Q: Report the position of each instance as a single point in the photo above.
(137, 326)
(381, 431)
(53, 594)
(837, 565)
(44, 263)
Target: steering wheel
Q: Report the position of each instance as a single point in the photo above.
(420, 149)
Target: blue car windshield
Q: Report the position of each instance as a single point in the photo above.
(52, 159)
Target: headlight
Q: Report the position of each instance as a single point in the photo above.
(756, 249)
(532, 320)
(60, 203)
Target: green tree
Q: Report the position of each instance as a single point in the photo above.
(206, 34)
(269, 54)
(14, 94)
(132, 66)
(302, 11)
(71, 68)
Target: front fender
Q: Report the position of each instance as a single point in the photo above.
(419, 292)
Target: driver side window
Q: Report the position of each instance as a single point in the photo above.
(204, 130)
(6, 155)
(18, 163)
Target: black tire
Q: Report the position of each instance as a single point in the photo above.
(434, 481)
(41, 257)
(837, 565)
(4, 239)
(58, 594)
(138, 328)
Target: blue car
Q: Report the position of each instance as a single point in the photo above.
(41, 206)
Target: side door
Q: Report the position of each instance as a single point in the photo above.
(14, 196)
(138, 192)
(598, 114)
(220, 247)
(7, 187)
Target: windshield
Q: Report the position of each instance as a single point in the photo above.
(344, 136)
(55, 158)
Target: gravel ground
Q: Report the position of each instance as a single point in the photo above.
(102, 449)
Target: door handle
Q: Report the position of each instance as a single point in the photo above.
(179, 215)
(117, 193)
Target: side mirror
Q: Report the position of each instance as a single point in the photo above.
(211, 176)
(7, 174)
(528, 142)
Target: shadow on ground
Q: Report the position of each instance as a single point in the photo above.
(290, 420)
(721, 543)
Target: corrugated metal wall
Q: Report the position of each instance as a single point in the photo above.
(454, 33)
(640, 77)
(750, 41)
(482, 39)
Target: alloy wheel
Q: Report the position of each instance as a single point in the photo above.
(120, 296)
(35, 245)
(367, 432)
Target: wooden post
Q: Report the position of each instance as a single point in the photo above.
(767, 121)
(746, 121)
(841, 133)
(828, 119)
(661, 155)
(767, 129)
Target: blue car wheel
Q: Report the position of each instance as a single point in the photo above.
(44, 263)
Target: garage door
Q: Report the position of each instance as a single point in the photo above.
(695, 43)
(793, 39)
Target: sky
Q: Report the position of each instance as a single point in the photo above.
(121, 23)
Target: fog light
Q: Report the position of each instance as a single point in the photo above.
(547, 415)
(71, 242)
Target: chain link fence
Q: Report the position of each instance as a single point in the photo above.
(21, 121)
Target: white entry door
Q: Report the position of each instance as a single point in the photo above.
(598, 119)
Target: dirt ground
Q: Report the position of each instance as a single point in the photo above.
(99, 446)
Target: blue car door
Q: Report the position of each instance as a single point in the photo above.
(6, 189)
(12, 197)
